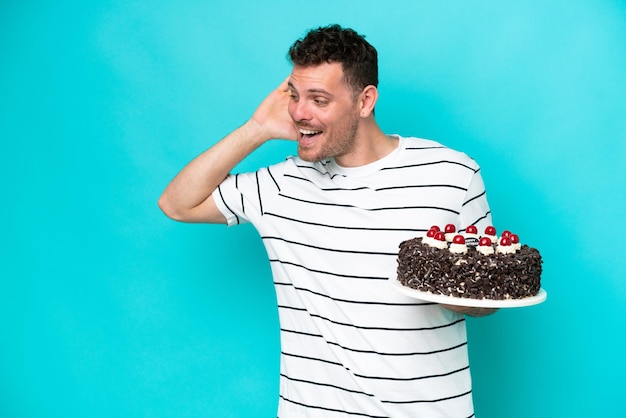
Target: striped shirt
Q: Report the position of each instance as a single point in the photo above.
(351, 346)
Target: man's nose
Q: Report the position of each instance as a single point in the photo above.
(300, 111)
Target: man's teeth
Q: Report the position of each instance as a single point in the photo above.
(308, 132)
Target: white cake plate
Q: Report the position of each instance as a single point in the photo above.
(472, 303)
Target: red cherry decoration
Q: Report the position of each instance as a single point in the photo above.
(514, 239)
(435, 228)
(431, 233)
(484, 242)
(458, 239)
(490, 230)
(471, 229)
(506, 234)
(440, 236)
(505, 241)
(450, 228)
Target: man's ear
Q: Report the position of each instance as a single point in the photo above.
(367, 100)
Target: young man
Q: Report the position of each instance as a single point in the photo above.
(331, 220)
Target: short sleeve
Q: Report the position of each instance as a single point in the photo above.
(230, 197)
(241, 198)
(475, 209)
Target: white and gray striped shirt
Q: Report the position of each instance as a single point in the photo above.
(351, 346)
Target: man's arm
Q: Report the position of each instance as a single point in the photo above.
(188, 197)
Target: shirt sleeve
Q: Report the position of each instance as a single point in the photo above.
(241, 197)
(229, 198)
(475, 209)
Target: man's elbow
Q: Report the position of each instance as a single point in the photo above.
(169, 209)
(206, 212)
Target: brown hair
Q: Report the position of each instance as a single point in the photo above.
(333, 43)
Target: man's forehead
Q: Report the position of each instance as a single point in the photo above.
(314, 77)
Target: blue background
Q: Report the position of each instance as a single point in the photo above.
(109, 309)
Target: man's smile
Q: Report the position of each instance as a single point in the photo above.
(308, 136)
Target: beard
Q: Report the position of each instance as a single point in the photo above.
(336, 143)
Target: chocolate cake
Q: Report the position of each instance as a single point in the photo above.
(496, 268)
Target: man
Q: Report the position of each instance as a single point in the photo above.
(331, 221)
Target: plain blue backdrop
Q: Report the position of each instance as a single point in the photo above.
(109, 309)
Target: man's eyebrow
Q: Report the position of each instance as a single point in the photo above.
(319, 91)
(314, 90)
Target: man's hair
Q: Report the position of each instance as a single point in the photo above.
(334, 44)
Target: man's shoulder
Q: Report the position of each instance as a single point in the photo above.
(429, 149)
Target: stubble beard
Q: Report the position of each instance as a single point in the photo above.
(340, 143)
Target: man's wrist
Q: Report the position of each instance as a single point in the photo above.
(254, 132)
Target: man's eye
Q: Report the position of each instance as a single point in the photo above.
(321, 102)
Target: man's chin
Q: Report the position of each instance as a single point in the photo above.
(309, 155)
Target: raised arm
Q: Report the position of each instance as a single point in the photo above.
(188, 197)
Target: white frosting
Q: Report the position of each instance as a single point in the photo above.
(450, 236)
(485, 249)
(458, 248)
(505, 249)
(517, 246)
(493, 238)
(438, 244)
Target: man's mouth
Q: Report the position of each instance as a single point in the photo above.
(307, 135)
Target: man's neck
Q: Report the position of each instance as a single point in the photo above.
(372, 145)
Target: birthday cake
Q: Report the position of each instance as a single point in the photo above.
(470, 265)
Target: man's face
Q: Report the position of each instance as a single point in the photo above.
(324, 111)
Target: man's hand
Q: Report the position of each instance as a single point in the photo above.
(470, 311)
(272, 115)
(188, 197)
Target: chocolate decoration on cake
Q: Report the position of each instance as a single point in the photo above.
(510, 272)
